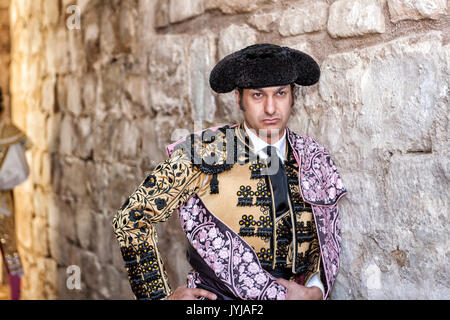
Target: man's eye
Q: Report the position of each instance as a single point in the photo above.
(257, 95)
(282, 93)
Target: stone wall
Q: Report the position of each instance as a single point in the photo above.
(101, 101)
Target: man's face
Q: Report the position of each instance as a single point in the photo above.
(267, 110)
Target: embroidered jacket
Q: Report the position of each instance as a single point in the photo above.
(237, 244)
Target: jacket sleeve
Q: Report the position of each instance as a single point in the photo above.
(168, 187)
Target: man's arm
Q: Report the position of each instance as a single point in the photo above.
(168, 187)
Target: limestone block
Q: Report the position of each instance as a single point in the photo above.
(113, 79)
(121, 182)
(74, 105)
(105, 133)
(23, 213)
(162, 13)
(416, 9)
(169, 77)
(349, 18)
(67, 135)
(263, 21)
(418, 203)
(40, 236)
(53, 131)
(48, 94)
(233, 6)
(312, 16)
(46, 170)
(77, 52)
(102, 237)
(390, 95)
(48, 269)
(36, 125)
(108, 31)
(235, 37)
(50, 13)
(180, 10)
(136, 87)
(91, 29)
(61, 219)
(57, 55)
(91, 270)
(128, 140)
(89, 90)
(376, 111)
(128, 22)
(74, 178)
(84, 225)
(85, 138)
(202, 58)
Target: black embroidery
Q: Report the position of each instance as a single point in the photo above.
(284, 239)
(245, 196)
(297, 201)
(247, 224)
(265, 229)
(135, 215)
(305, 233)
(214, 185)
(160, 203)
(265, 257)
(256, 168)
(150, 181)
(263, 195)
(211, 153)
(302, 262)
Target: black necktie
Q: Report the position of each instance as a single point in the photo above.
(278, 178)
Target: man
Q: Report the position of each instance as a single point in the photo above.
(13, 171)
(258, 202)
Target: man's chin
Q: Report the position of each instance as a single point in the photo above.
(270, 130)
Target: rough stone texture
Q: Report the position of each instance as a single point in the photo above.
(264, 21)
(303, 18)
(348, 18)
(232, 6)
(416, 9)
(379, 110)
(180, 10)
(101, 102)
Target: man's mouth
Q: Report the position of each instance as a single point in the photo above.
(271, 121)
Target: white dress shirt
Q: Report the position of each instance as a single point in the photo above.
(258, 145)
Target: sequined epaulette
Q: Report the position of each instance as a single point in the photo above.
(214, 151)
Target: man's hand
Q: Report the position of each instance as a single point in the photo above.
(299, 292)
(185, 293)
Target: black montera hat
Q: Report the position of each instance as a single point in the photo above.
(263, 65)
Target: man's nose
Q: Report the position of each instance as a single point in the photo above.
(269, 106)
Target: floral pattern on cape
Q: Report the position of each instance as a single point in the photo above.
(319, 179)
(233, 261)
(322, 187)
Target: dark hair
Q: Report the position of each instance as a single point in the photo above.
(241, 96)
